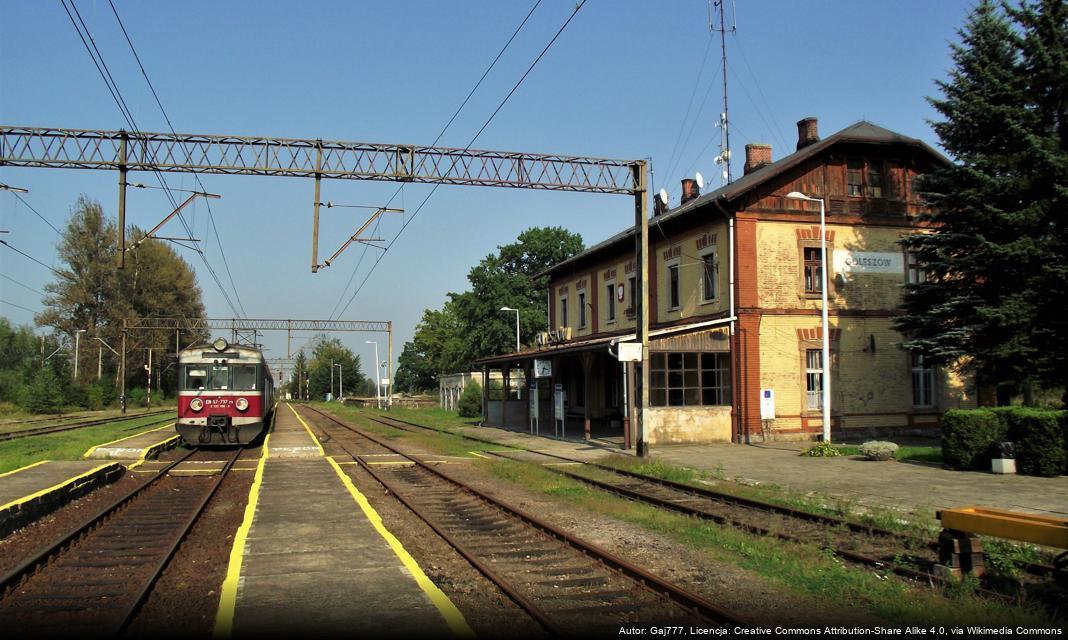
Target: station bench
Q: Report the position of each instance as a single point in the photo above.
(961, 551)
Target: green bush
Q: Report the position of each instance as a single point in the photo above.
(99, 395)
(967, 435)
(1040, 437)
(136, 397)
(44, 394)
(822, 450)
(1039, 440)
(470, 405)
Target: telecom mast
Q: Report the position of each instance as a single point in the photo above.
(717, 7)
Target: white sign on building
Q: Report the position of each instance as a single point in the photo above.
(848, 262)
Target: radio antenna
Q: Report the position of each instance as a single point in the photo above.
(716, 9)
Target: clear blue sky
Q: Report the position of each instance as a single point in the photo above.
(618, 83)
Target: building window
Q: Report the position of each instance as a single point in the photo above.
(812, 269)
(633, 281)
(922, 382)
(854, 177)
(673, 278)
(610, 298)
(813, 379)
(563, 312)
(864, 178)
(875, 180)
(689, 379)
(709, 275)
(917, 274)
(582, 309)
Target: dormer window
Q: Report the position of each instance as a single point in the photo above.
(864, 178)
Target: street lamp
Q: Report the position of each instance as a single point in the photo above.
(378, 378)
(826, 400)
(340, 380)
(516, 325)
(77, 340)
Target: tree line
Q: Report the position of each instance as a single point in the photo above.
(84, 307)
(311, 379)
(470, 325)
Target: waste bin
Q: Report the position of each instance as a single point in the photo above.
(1003, 457)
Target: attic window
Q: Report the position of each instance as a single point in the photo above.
(864, 178)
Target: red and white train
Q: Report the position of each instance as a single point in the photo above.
(225, 393)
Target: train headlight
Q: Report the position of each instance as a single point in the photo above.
(196, 404)
(241, 404)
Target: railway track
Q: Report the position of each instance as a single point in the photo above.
(96, 578)
(37, 431)
(567, 585)
(867, 545)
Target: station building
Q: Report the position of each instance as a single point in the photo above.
(735, 296)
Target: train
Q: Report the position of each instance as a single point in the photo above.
(225, 394)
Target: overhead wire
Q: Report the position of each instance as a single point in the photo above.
(466, 148)
(8, 245)
(30, 207)
(24, 286)
(18, 306)
(400, 189)
(170, 125)
(105, 73)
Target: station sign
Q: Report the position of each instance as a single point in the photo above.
(849, 262)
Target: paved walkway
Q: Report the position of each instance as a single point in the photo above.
(903, 485)
(317, 560)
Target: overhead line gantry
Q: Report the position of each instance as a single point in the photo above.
(126, 151)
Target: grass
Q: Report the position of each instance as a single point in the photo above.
(904, 452)
(66, 445)
(807, 569)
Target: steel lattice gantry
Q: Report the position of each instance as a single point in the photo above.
(252, 324)
(305, 158)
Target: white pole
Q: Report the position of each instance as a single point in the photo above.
(517, 330)
(378, 379)
(341, 381)
(77, 340)
(826, 328)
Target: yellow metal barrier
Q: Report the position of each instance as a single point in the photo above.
(999, 523)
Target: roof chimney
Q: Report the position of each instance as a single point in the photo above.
(690, 190)
(659, 206)
(756, 156)
(808, 132)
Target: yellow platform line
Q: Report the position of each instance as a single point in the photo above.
(144, 452)
(448, 610)
(55, 487)
(308, 429)
(31, 465)
(97, 446)
(224, 617)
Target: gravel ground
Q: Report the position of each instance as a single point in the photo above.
(25, 541)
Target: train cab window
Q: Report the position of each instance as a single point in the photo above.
(220, 377)
(195, 378)
(244, 377)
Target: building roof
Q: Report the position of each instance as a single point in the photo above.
(861, 132)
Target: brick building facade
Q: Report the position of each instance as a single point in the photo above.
(735, 299)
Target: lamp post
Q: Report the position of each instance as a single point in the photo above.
(77, 340)
(378, 377)
(331, 377)
(516, 325)
(340, 380)
(826, 400)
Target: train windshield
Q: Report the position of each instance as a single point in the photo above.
(244, 377)
(195, 378)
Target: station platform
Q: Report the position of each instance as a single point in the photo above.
(313, 557)
(146, 444)
(35, 490)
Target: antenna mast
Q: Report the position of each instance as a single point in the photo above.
(717, 6)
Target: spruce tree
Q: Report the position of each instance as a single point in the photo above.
(990, 251)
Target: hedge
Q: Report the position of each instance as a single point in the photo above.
(1040, 437)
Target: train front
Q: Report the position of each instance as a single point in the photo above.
(224, 394)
